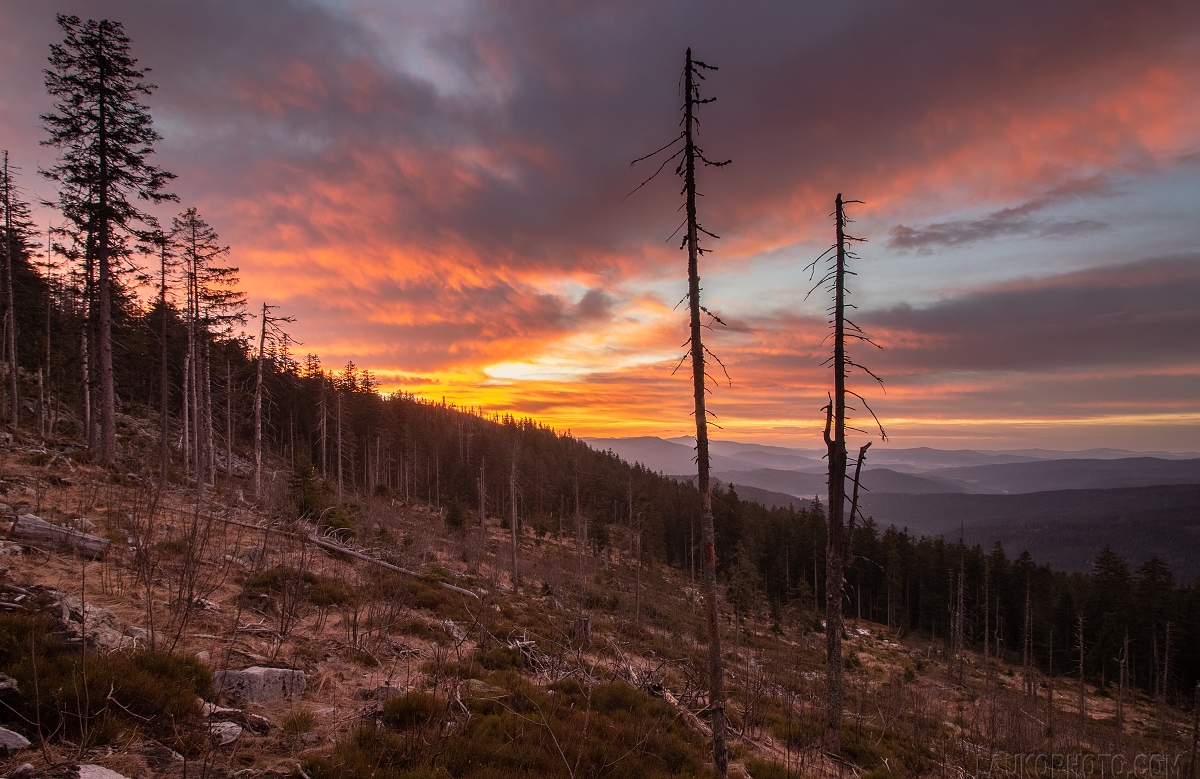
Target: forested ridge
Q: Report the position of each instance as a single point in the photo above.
(397, 445)
(154, 319)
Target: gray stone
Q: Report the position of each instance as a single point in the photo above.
(259, 685)
(8, 683)
(385, 691)
(211, 709)
(23, 771)
(12, 742)
(103, 630)
(224, 733)
(89, 771)
(454, 630)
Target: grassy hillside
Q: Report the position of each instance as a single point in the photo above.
(593, 668)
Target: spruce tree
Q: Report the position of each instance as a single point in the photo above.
(105, 138)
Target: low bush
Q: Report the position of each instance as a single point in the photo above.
(92, 698)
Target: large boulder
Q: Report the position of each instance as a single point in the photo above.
(89, 771)
(259, 685)
(12, 742)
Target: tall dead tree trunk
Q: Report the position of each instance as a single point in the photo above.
(987, 613)
(1123, 683)
(185, 414)
(1027, 647)
(1082, 685)
(1050, 691)
(835, 442)
(339, 444)
(483, 499)
(164, 448)
(108, 396)
(690, 153)
(1195, 730)
(960, 658)
(716, 689)
(512, 523)
(258, 391)
(85, 347)
(10, 311)
(228, 424)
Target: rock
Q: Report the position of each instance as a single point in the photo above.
(258, 724)
(259, 685)
(84, 524)
(6, 510)
(477, 688)
(23, 771)
(156, 754)
(310, 738)
(8, 683)
(204, 656)
(385, 691)
(8, 547)
(138, 635)
(454, 630)
(11, 741)
(89, 771)
(101, 624)
(224, 733)
(211, 709)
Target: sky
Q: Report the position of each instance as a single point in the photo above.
(441, 193)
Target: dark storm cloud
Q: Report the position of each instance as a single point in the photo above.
(527, 158)
(1136, 314)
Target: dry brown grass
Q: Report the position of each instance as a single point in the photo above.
(903, 714)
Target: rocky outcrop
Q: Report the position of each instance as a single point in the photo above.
(259, 685)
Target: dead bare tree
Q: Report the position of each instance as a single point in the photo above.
(272, 326)
(1082, 686)
(512, 490)
(1123, 683)
(10, 311)
(687, 152)
(834, 281)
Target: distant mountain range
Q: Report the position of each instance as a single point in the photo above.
(801, 472)
(1060, 506)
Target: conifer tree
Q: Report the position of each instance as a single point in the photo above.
(105, 138)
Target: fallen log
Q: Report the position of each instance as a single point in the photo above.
(33, 530)
(339, 549)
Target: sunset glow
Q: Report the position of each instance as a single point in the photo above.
(439, 194)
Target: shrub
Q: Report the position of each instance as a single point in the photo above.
(414, 710)
(500, 658)
(299, 721)
(92, 698)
